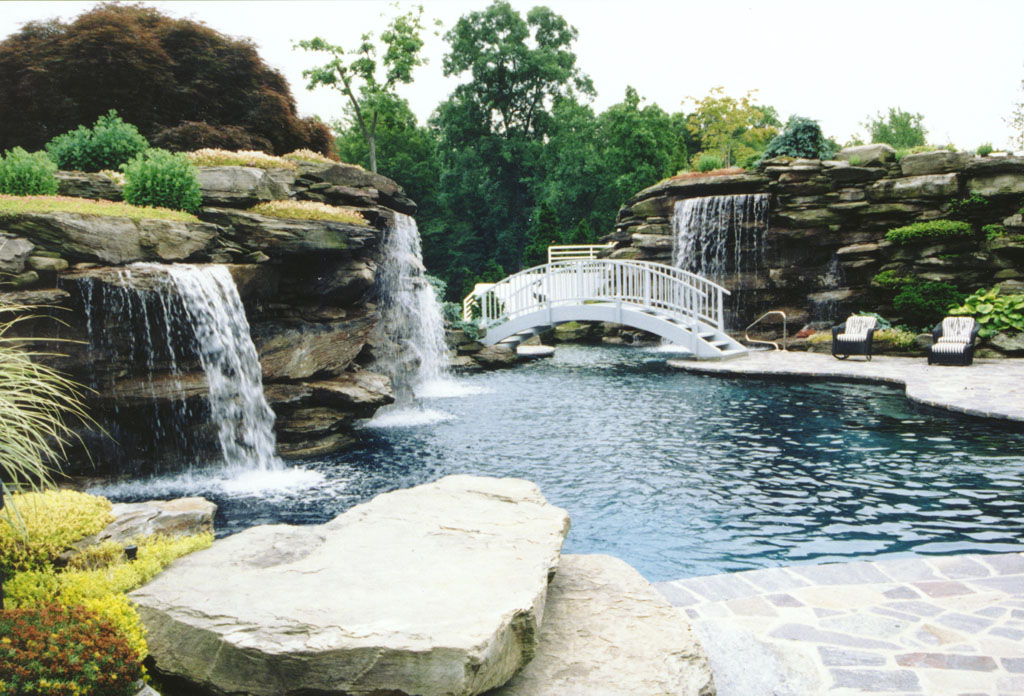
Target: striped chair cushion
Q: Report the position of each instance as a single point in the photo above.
(956, 330)
(857, 328)
(950, 347)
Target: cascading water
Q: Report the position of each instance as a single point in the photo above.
(720, 236)
(244, 420)
(410, 336)
(164, 322)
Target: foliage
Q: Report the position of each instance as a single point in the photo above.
(899, 128)
(801, 137)
(194, 135)
(993, 231)
(925, 231)
(966, 208)
(36, 402)
(27, 174)
(401, 42)
(709, 162)
(53, 650)
(891, 280)
(984, 150)
(210, 157)
(900, 339)
(19, 205)
(102, 590)
(923, 303)
(994, 313)
(159, 72)
(735, 129)
(309, 210)
(307, 155)
(107, 145)
(162, 179)
(116, 177)
(49, 522)
(701, 175)
(1016, 121)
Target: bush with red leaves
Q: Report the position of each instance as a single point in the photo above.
(156, 71)
(53, 650)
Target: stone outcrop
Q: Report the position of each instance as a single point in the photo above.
(825, 239)
(307, 286)
(607, 631)
(434, 590)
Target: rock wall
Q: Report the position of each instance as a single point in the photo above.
(827, 226)
(307, 287)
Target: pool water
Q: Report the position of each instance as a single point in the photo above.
(680, 475)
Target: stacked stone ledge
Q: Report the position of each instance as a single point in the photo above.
(827, 226)
(452, 588)
(306, 286)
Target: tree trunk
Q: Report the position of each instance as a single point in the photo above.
(372, 141)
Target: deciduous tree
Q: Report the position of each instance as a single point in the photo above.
(899, 128)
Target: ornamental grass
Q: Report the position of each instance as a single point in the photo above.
(309, 210)
(714, 172)
(20, 205)
(307, 155)
(212, 157)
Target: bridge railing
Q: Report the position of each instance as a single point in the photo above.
(638, 284)
(569, 252)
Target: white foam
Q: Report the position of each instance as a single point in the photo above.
(408, 418)
(236, 483)
(447, 389)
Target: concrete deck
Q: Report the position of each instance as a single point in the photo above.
(988, 388)
(941, 626)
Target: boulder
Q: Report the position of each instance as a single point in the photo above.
(938, 162)
(653, 241)
(991, 177)
(279, 237)
(494, 357)
(1008, 343)
(88, 185)
(14, 253)
(113, 240)
(437, 590)
(926, 186)
(242, 186)
(873, 155)
(353, 176)
(47, 264)
(296, 349)
(358, 393)
(608, 632)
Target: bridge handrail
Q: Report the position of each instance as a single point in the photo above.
(567, 252)
(637, 284)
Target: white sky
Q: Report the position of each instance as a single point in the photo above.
(958, 63)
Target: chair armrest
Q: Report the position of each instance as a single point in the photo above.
(871, 335)
(836, 330)
(974, 333)
(937, 332)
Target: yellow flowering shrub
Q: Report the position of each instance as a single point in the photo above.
(309, 210)
(36, 527)
(102, 590)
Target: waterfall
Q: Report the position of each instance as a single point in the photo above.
(161, 324)
(720, 237)
(410, 336)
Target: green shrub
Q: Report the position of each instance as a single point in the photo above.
(27, 174)
(994, 313)
(925, 231)
(964, 208)
(923, 303)
(107, 145)
(985, 149)
(709, 161)
(162, 179)
(54, 650)
(801, 137)
(901, 339)
(993, 231)
(891, 280)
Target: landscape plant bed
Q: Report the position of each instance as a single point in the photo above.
(210, 157)
(11, 206)
(309, 210)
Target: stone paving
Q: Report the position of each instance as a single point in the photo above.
(989, 388)
(941, 626)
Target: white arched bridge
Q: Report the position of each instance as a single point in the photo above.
(679, 306)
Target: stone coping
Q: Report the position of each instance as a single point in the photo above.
(990, 388)
(936, 625)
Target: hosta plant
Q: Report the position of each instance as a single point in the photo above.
(994, 313)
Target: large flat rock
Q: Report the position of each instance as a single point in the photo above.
(608, 632)
(437, 590)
